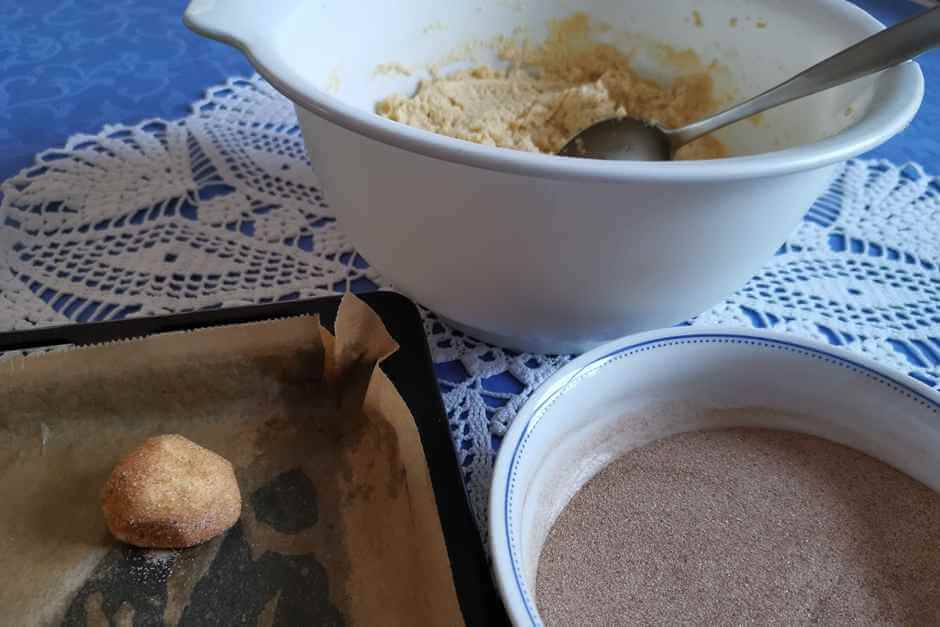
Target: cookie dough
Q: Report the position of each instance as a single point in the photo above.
(551, 92)
(170, 493)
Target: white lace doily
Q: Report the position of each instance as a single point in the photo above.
(222, 208)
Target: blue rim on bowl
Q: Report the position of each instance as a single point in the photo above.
(506, 553)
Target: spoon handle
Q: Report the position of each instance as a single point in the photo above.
(882, 50)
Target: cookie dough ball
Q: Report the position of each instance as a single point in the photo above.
(170, 493)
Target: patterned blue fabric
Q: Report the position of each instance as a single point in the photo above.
(69, 66)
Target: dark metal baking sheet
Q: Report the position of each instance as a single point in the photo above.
(410, 369)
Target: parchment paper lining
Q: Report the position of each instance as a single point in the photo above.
(339, 523)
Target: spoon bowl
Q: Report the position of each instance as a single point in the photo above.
(618, 139)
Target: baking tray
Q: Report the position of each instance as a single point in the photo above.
(410, 369)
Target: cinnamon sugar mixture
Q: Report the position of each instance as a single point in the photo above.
(744, 526)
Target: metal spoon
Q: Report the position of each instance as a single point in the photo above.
(632, 139)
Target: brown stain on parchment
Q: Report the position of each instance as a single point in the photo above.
(94, 612)
(193, 566)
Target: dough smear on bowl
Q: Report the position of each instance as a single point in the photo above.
(551, 92)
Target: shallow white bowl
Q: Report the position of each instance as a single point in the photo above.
(546, 253)
(652, 385)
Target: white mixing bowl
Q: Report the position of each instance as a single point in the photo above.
(552, 254)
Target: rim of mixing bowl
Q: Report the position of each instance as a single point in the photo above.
(242, 24)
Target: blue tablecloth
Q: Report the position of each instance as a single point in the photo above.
(68, 66)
